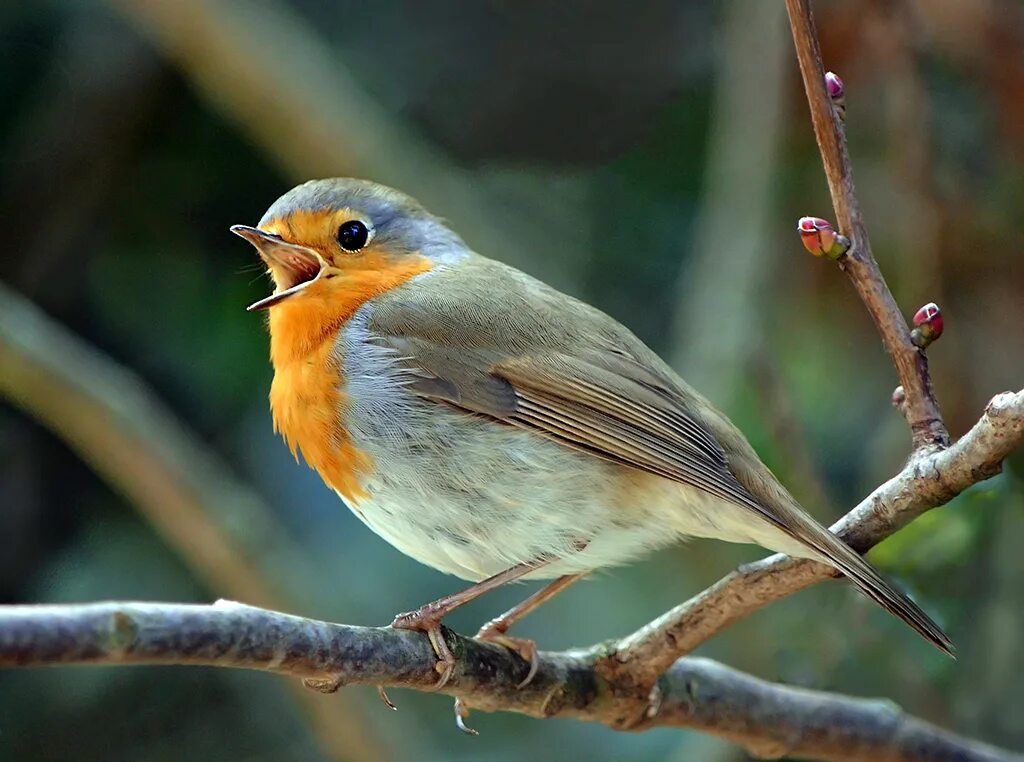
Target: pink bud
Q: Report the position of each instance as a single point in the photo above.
(837, 92)
(928, 325)
(834, 85)
(819, 238)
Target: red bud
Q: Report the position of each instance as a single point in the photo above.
(928, 325)
(819, 238)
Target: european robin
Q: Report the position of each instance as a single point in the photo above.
(492, 427)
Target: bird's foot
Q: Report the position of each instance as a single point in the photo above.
(461, 713)
(525, 648)
(428, 619)
(494, 632)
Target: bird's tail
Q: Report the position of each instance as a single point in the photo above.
(837, 553)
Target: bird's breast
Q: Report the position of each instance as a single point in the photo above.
(309, 395)
(308, 402)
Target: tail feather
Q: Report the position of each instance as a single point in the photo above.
(769, 499)
(837, 553)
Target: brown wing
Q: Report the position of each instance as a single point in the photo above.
(577, 377)
(617, 417)
(495, 342)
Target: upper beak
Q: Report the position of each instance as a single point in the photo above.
(294, 266)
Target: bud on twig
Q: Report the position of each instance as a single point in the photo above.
(927, 325)
(899, 398)
(836, 92)
(820, 239)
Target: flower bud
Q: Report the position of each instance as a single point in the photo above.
(819, 238)
(928, 325)
(836, 91)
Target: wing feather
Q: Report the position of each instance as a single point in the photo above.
(541, 360)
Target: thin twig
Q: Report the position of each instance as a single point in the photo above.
(932, 477)
(768, 720)
(921, 409)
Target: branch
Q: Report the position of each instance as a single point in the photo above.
(618, 684)
(769, 720)
(280, 82)
(928, 480)
(219, 526)
(921, 410)
(933, 476)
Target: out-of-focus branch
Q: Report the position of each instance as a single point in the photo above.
(112, 421)
(769, 720)
(921, 410)
(218, 525)
(930, 479)
(266, 69)
(729, 263)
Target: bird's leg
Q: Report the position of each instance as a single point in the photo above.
(427, 618)
(495, 632)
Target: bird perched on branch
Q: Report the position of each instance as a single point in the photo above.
(492, 427)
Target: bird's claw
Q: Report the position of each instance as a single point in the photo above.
(386, 699)
(526, 650)
(461, 713)
(427, 620)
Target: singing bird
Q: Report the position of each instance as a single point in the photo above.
(492, 427)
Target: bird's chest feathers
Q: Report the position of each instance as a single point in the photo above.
(307, 397)
(308, 403)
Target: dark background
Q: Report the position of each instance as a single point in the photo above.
(651, 158)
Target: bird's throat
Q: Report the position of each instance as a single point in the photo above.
(300, 324)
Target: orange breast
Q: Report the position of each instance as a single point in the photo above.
(307, 396)
(308, 405)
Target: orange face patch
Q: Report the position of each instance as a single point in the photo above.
(316, 229)
(306, 397)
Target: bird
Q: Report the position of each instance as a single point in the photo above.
(494, 428)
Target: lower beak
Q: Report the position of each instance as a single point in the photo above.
(294, 267)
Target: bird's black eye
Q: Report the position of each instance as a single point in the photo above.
(352, 235)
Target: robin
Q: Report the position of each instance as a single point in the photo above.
(492, 427)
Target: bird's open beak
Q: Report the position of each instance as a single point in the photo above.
(294, 267)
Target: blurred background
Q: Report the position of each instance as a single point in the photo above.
(652, 160)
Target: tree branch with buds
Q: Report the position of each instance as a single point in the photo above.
(826, 98)
(934, 473)
(645, 679)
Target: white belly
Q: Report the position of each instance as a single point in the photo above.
(471, 496)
